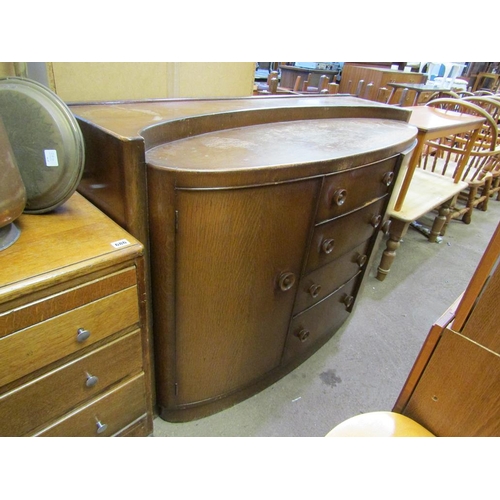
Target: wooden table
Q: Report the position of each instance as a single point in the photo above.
(422, 191)
(433, 123)
(418, 88)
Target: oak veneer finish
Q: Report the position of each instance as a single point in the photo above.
(242, 198)
(63, 275)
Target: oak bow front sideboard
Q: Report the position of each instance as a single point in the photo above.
(260, 216)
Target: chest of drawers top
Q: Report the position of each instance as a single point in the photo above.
(67, 244)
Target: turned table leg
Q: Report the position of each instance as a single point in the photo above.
(397, 230)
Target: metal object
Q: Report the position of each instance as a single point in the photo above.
(82, 335)
(46, 140)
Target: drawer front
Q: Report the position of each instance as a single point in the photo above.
(40, 310)
(319, 322)
(61, 390)
(354, 188)
(105, 415)
(333, 239)
(324, 281)
(32, 348)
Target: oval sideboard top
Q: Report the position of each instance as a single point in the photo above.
(280, 144)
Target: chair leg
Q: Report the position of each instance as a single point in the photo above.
(438, 227)
(485, 194)
(449, 215)
(397, 230)
(467, 217)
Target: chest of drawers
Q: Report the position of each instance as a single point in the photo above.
(74, 345)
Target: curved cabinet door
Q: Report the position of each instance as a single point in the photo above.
(239, 254)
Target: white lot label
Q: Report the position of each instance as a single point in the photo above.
(120, 243)
(51, 158)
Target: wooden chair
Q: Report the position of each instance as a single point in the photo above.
(444, 93)
(448, 157)
(491, 104)
(322, 87)
(383, 95)
(333, 88)
(262, 87)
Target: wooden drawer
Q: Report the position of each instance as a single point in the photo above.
(61, 390)
(39, 345)
(115, 409)
(324, 281)
(320, 321)
(16, 318)
(333, 239)
(347, 191)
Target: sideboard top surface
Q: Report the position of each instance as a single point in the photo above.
(128, 119)
(280, 144)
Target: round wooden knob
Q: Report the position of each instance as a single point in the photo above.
(286, 281)
(388, 178)
(375, 220)
(386, 226)
(339, 197)
(362, 260)
(303, 335)
(327, 245)
(348, 301)
(314, 290)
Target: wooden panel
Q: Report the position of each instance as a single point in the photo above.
(29, 349)
(346, 191)
(61, 390)
(483, 325)
(462, 397)
(115, 409)
(481, 275)
(334, 238)
(232, 317)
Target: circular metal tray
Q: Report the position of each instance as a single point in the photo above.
(46, 140)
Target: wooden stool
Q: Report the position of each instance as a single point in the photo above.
(379, 424)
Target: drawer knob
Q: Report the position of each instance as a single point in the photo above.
(388, 178)
(327, 245)
(339, 197)
(314, 290)
(91, 380)
(303, 335)
(286, 281)
(82, 335)
(375, 220)
(386, 226)
(101, 427)
(348, 301)
(362, 260)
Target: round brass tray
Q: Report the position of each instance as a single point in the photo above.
(46, 140)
